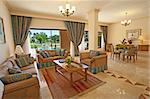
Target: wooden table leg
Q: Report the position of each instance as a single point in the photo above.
(55, 68)
(85, 74)
(71, 78)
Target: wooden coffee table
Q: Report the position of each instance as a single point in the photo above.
(74, 67)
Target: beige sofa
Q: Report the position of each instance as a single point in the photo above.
(96, 64)
(46, 62)
(25, 89)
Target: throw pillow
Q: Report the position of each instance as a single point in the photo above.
(93, 53)
(24, 55)
(47, 54)
(22, 61)
(31, 60)
(42, 53)
(58, 52)
(15, 78)
(13, 71)
(62, 52)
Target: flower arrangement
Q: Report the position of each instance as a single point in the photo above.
(68, 60)
(130, 41)
(121, 46)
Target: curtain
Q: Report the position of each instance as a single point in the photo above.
(75, 33)
(104, 31)
(20, 25)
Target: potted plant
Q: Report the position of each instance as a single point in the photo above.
(68, 60)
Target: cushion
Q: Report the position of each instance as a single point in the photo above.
(31, 60)
(24, 55)
(58, 52)
(42, 53)
(3, 70)
(15, 78)
(4, 67)
(23, 61)
(62, 52)
(31, 71)
(14, 71)
(93, 53)
(28, 67)
(52, 53)
(47, 54)
(86, 61)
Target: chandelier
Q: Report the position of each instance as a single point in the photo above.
(68, 10)
(126, 22)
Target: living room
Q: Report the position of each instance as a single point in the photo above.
(116, 75)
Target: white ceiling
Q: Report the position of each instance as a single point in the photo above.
(111, 11)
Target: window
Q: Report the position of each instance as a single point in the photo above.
(44, 39)
(100, 39)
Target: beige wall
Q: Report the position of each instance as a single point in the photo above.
(48, 24)
(116, 32)
(6, 49)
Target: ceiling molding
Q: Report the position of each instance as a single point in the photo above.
(54, 17)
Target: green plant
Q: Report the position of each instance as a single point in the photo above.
(68, 60)
(121, 46)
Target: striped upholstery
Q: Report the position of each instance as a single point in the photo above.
(22, 61)
(97, 69)
(14, 71)
(42, 53)
(15, 78)
(46, 64)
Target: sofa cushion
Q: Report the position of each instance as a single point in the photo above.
(28, 67)
(5, 65)
(93, 53)
(86, 61)
(62, 52)
(58, 52)
(47, 54)
(52, 53)
(14, 71)
(23, 61)
(31, 71)
(42, 53)
(15, 78)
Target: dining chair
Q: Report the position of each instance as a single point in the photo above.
(114, 52)
(130, 53)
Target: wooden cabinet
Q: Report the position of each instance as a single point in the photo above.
(143, 47)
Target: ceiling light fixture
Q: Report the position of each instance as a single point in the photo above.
(68, 10)
(126, 22)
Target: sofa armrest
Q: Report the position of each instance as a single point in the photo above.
(21, 85)
(40, 58)
(84, 55)
(99, 60)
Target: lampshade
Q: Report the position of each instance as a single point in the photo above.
(19, 50)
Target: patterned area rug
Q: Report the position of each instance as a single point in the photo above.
(61, 88)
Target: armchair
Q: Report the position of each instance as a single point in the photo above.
(96, 64)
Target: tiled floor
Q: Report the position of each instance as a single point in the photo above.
(122, 79)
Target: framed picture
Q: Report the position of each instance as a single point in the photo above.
(2, 34)
(133, 34)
